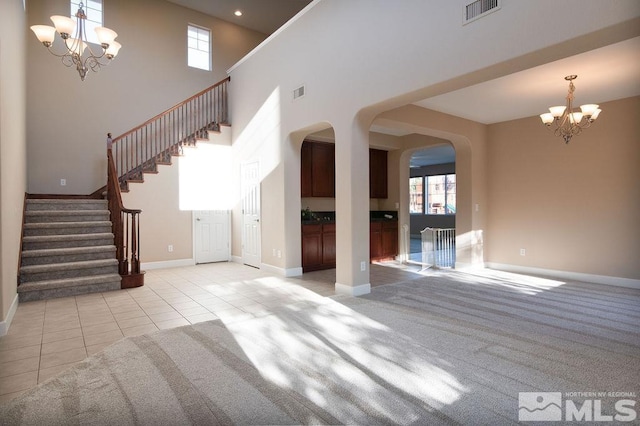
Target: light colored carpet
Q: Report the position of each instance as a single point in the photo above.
(449, 348)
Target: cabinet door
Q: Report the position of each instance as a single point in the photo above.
(375, 240)
(323, 169)
(311, 251)
(329, 245)
(389, 239)
(306, 189)
(311, 247)
(378, 173)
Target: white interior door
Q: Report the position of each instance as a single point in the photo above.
(211, 228)
(251, 214)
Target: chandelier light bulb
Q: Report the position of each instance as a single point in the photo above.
(567, 121)
(45, 33)
(65, 26)
(106, 35)
(78, 52)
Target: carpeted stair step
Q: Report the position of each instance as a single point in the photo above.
(48, 289)
(67, 255)
(66, 204)
(65, 228)
(39, 242)
(68, 270)
(39, 216)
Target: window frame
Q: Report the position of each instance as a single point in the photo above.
(425, 194)
(192, 61)
(421, 196)
(90, 24)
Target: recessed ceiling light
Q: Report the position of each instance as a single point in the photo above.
(238, 13)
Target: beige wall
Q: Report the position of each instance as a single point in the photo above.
(12, 149)
(572, 207)
(357, 86)
(69, 118)
(162, 223)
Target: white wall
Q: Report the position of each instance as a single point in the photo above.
(359, 58)
(12, 151)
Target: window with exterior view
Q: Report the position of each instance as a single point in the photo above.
(93, 10)
(199, 47)
(416, 200)
(441, 194)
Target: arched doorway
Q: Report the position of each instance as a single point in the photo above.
(432, 207)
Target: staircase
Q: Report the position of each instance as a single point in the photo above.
(67, 249)
(84, 245)
(143, 148)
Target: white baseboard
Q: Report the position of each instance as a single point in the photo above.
(349, 290)
(284, 272)
(462, 266)
(167, 264)
(574, 276)
(236, 259)
(6, 323)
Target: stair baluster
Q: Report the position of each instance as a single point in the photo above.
(143, 147)
(125, 237)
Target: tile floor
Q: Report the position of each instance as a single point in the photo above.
(47, 337)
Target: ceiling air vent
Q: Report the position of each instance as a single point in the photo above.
(299, 92)
(479, 8)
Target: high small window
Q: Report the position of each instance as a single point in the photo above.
(93, 10)
(199, 47)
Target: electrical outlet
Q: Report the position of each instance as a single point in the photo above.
(523, 252)
(63, 182)
(279, 254)
(170, 248)
(363, 266)
(274, 253)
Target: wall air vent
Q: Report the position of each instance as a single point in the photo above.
(479, 8)
(299, 92)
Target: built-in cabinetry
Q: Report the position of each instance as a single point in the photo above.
(318, 246)
(317, 171)
(383, 240)
(378, 173)
(319, 243)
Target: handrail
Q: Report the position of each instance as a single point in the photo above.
(178, 105)
(154, 141)
(126, 236)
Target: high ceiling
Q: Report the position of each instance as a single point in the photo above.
(265, 16)
(605, 74)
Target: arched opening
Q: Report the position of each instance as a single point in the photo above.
(315, 198)
(432, 206)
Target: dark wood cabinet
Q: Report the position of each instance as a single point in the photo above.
(383, 240)
(389, 239)
(318, 247)
(319, 244)
(375, 240)
(306, 154)
(317, 169)
(378, 174)
(329, 244)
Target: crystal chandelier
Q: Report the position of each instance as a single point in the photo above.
(78, 52)
(568, 122)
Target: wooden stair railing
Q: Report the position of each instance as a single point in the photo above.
(126, 230)
(140, 149)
